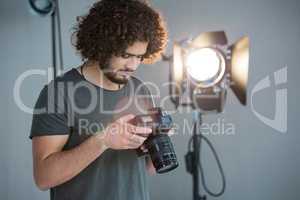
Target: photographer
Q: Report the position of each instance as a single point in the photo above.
(79, 162)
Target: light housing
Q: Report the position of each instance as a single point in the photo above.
(205, 67)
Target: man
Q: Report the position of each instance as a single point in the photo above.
(82, 143)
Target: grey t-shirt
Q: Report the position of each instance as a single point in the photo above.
(70, 105)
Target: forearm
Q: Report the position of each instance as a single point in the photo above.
(62, 166)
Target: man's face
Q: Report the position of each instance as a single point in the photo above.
(122, 67)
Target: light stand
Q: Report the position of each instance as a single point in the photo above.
(51, 8)
(196, 156)
(201, 71)
(193, 160)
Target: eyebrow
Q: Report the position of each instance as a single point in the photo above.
(130, 54)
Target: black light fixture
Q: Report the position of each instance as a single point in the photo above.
(206, 67)
(43, 7)
(51, 8)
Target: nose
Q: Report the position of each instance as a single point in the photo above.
(133, 63)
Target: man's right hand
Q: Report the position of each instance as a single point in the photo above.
(123, 135)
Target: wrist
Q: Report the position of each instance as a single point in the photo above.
(100, 137)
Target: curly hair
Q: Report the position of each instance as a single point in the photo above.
(111, 26)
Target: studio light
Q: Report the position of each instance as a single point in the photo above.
(201, 71)
(206, 67)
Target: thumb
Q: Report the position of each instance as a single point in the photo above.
(126, 118)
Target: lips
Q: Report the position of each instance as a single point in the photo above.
(125, 73)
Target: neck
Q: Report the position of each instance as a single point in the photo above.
(94, 74)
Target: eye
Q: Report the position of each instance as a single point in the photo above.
(125, 55)
(128, 55)
(141, 58)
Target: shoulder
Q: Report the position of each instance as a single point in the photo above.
(69, 77)
(58, 86)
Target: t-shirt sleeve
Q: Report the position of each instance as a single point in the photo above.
(49, 117)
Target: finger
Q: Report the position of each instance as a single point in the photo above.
(171, 132)
(139, 130)
(126, 118)
(143, 148)
(136, 140)
(132, 145)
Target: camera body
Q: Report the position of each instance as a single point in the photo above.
(158, 144)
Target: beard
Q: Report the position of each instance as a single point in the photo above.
(113, 76)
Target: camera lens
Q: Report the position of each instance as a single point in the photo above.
(162, 153)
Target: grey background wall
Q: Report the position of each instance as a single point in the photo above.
(259, 161)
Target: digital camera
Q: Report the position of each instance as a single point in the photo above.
(158, 143)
